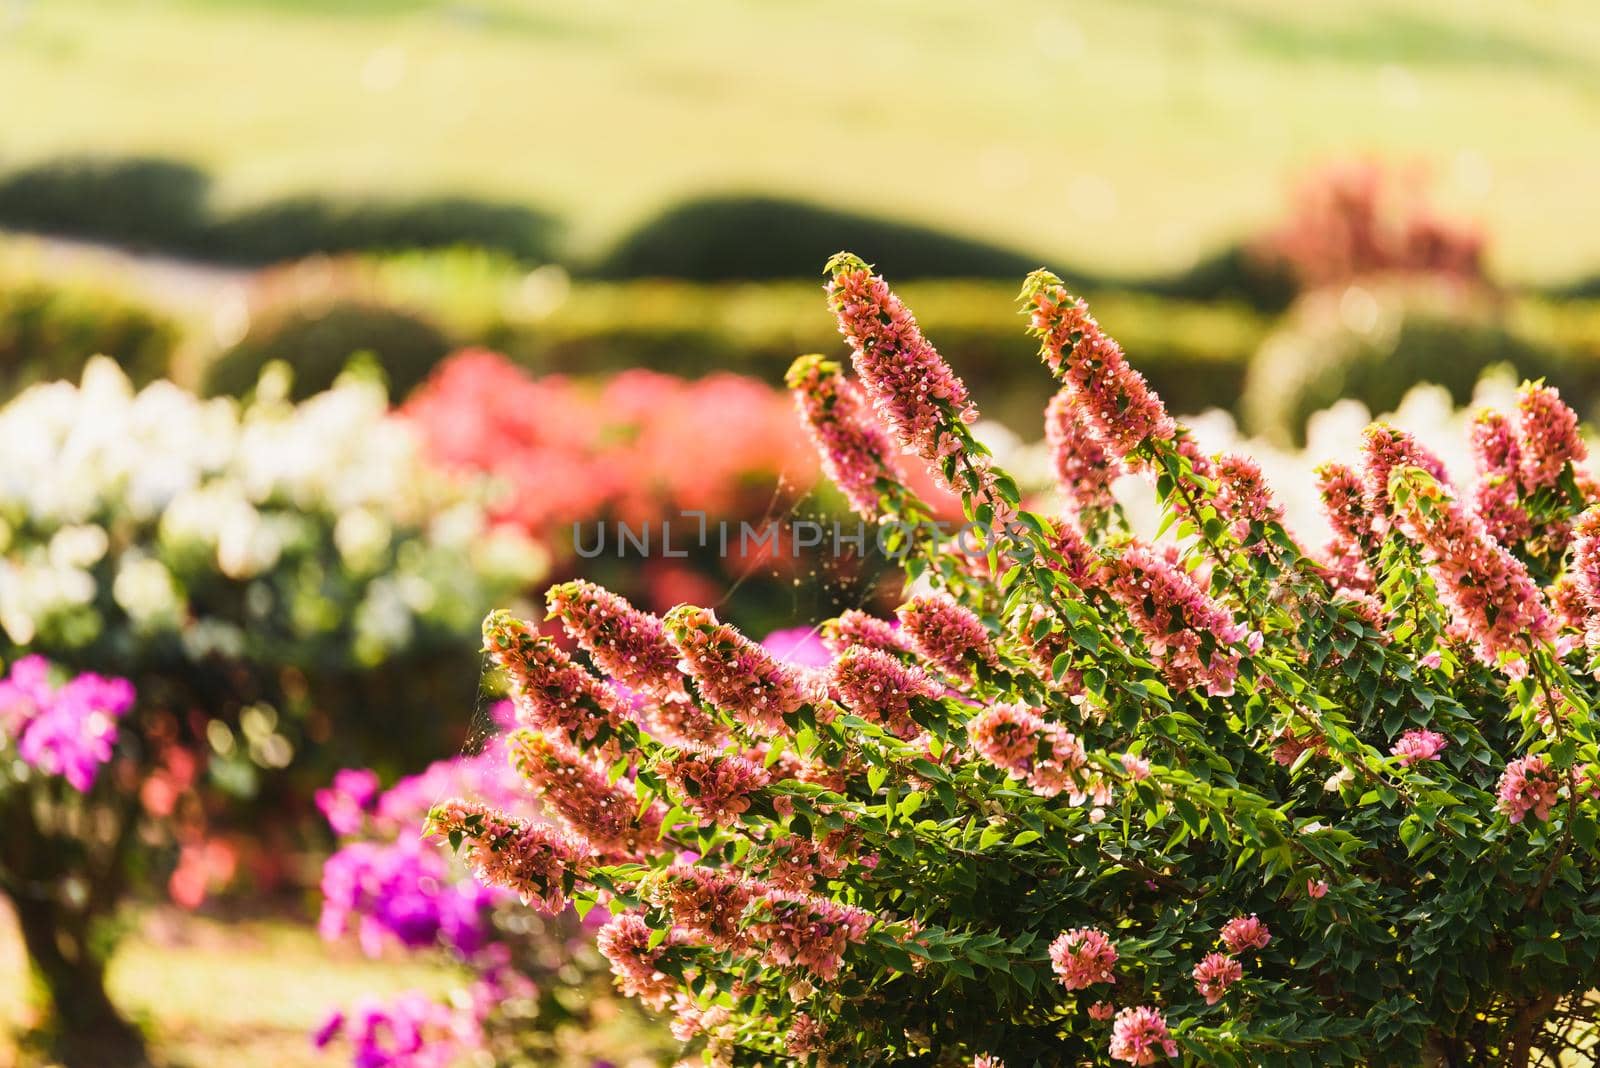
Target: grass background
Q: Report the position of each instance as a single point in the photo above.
(1128, 136)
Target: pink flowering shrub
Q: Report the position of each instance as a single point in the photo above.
(1219, 798)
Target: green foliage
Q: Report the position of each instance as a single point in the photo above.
(138, 201)
(49, 329)
(317, 340)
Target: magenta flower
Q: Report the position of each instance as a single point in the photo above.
(1083, 957)
(856, 452)
(1245, 932)
(1140, 1037)
(346, 803)
(68, 730)
(1415, 745)
(1215, 973)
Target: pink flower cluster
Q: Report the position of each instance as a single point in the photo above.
(579, 794)
(1024, 745)
(1550, 439)
(1415, 745)
(854, 627)
(806, 930)
(1529, 784)
(550, 692)
(1245, 932)
(1083, 957)
(715, 786)
(1140, 1036)
(856, 452)
(911, 387)
(410, 1030)
(733, 672)
(1116, 404)
(1189, 634)
(881, 688)
(67, 730)
(1243, 498)
(947, 633)
(1215, 973)
(532, 860)
(1357, 529)
(1496, 601)
(1084, 467)
(704, 902)
(625, 944)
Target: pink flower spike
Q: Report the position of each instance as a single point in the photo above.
(733, 672)
(855, 449)
(947, 633)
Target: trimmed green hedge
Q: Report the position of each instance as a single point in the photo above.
(166, 205)
(49, 329)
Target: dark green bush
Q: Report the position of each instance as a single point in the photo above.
(156, 202)
(1373, 344)
(165, 205)
(318, 340)
(1235, 273)
(755, 238)
(48, 329)
(301, 226)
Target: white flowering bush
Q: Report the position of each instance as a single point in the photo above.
(268, 577)
(1221, 798)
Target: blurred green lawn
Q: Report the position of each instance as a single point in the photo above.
(1124, 135)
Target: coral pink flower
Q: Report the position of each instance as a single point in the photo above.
(1494, 599)
(855, 449)
(855, 627)
(1243, 498)
(1083, 957)
(1245, 932)
(1530, 784)
(1178, 621)
(1549, 435)
(552, 693)
(804, 1037)
(580, 794)
(1102, 1010)
(1316, 889)
(1137, 767)
(1084, 467)
(1415, 745)
(733, 672)
(1117, 404)
(531, 859)
(703, 901)
(911, 387)
(625, 943)
(809, 931)
(629, 645)
(880, 688)
(1357, 529)
(1494, 445)
(947, 633)
(1140, 1037)
(715, 786)
(1383, 450)
(1496, 504)
(1020, 742)
(987, 1060)
(1215, 973)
